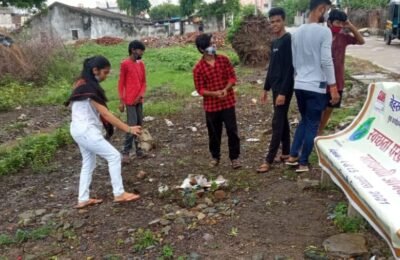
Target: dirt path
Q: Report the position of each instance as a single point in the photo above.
(262, 214)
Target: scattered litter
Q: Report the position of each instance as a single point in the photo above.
(163, 188)
(253, 140)
(254, 101)
(148, 118)
(260, 82)
(199, 181)
(195, 94)
(18, 108)
(22, 117)
(169, 123)
(194, 129)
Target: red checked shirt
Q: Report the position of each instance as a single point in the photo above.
(215, 78)
(132, 82)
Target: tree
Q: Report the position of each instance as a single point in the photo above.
(164, 11)
(364, 4)
(23, 3)
(292, 7)
(220, 8)
(188, 7)
(134, 7)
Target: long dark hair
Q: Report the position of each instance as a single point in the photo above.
(99, 62)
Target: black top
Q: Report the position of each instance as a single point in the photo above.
(280, 76)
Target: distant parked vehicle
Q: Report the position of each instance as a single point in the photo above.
(392, 30)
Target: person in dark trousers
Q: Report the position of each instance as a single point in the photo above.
(214, 78)
(314, 74)
(338, 22)
(131, 89)
(280, 79)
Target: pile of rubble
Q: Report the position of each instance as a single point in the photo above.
(106, 40)
(179, 40)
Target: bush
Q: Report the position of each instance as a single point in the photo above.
(346, 223)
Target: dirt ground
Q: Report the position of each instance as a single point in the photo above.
(262, 214)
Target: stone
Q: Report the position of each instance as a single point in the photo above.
(280, 257)
(89, 229)
(154, 222)
(40, 212)
(141, 175)
(201, 216)
(79, 223)
(46, 218)
(180, 220)
(165, 222)
(313, 253)
(208, 201)
(208, 237)
(63, 213)
(26, 217)
(170, 216)
(258, 256)
(210, 210)
(219, 195)
(306, 183)
(166, 230)
(83, 211)
(67, 226)
(194, 256)
(202, 206)
(346, 246)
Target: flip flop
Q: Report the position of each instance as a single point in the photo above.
(126, 197)
(264, 168)
(88, 203)
(281, 159)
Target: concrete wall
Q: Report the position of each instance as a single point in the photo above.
(6, 21)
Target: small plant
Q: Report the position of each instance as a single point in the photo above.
(6, 240)
(167, 252)
(344, 222)
(189, 198)
(144, 239)
(214, 186)
(234, 232)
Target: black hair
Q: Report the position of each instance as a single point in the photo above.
(136, 45)
(203, 41)
(337, 15)
(315, 3)
(89, 64)
(277, 11)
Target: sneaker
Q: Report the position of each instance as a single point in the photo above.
(236, 164)
(292, 161)
(126, 159)
(302, 169)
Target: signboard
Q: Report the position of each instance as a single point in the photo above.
(364, 161)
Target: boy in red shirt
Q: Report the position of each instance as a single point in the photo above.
(131, 89)
(338, 21)
(214, 78)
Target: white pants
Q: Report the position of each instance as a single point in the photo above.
(92, 143)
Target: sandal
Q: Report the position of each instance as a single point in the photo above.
(282, 159)
(88, 203)
(236, 164)
(214, 163)
(264, 168)
(126, 197)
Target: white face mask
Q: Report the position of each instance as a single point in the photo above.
(97, 78)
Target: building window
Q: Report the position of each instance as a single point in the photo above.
(75, 35)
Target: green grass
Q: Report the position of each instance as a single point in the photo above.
(346, 223)
(144, 239)
(22, 236)
(339, 116)
(34, 151)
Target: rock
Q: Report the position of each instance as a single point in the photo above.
(346, 245)
(46, 218)
(165, 222)
(154, 222)
(313, 253)
(194, 256)
(26, 217)
(141, 175)
(201, 216)
(219, 195)
(91, 229)
(306, 183)
(166, 230)
(202, 206)
(180, 221)
(258, 256)
(40, 212)
(83, 211)
(210, 210)
(22, 117)
(63, 213)
(208, 201)
(79, 223)
(170, 216)
(67, 226)
(180, 237)
(208, 237)
(279, 257)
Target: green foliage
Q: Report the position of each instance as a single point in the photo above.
(134, 7)
(188, 7)
(164, 11)
(292, 7)
(13, 94)
(219, 8)
(35, 152)
(24, 3)
(346, 223)
(245, 11)
(22, 236)
(189, 198)
(364, 4)
(167, 252)
(144, 239)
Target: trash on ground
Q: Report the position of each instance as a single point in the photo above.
(169, 122)
(253, 140)
(148, 118)
(199, 182)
